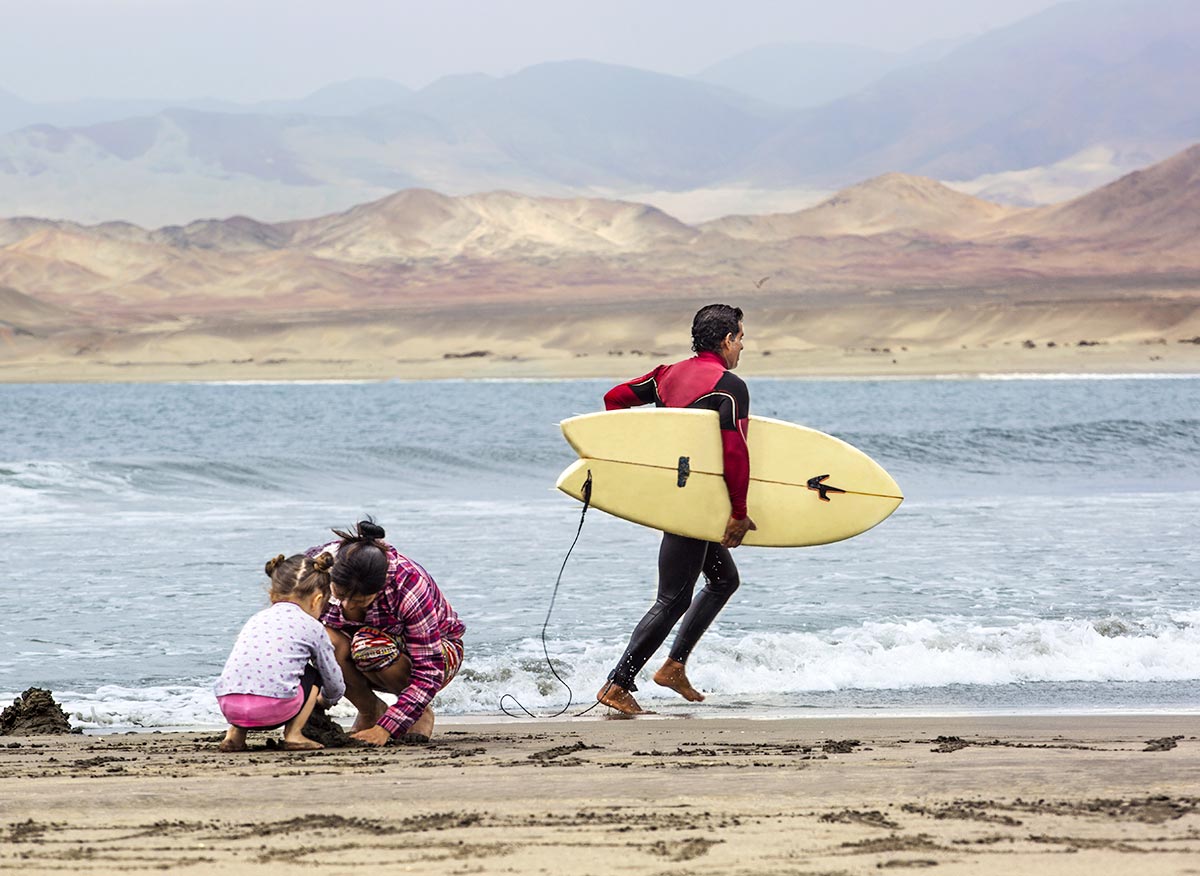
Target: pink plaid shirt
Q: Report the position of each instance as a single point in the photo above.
(412, 609)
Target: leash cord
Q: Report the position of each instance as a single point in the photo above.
(587, 501)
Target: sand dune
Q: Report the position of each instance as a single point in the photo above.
(892, 202)
(19, 311)
(1160, 205)
(422, 224)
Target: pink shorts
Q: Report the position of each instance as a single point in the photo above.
(252, 711)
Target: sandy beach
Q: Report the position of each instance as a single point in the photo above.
(980, 795)
(473, 360)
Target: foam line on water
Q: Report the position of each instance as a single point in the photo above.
(877, 656)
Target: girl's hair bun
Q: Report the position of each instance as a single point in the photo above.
(370, 529)
(273, 564)
(323, 562)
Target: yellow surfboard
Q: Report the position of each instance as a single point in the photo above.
(663, 468)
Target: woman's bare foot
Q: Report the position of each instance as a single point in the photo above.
(235, 740)
(673, 674)
(616, 697)
(422, 729)
(301, 744)
(367, 720)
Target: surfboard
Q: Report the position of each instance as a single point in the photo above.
(663, 468)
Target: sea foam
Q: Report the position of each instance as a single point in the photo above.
(869, 659)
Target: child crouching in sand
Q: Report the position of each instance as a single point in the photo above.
(268, 680)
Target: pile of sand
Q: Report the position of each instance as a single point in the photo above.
(323, 729)
(34, 713)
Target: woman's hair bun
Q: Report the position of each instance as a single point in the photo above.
(273, 564)
(370, 529)
(364, 531)
(322, 562)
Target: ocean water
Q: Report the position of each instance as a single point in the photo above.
(1046, 557)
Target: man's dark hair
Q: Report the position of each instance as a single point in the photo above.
(711, 324)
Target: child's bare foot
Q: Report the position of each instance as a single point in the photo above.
(673, 674)
(367, 720)
(616, 697)
(235, 740)
(301, 744)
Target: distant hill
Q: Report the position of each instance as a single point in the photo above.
(1077, 75)
(1159, 205)
(1007, 113)
(27, 315)
(803, 75)
(421, 224)
(552, 129)
(882, 267)
(338, 99)
(903, 228)
(892, 202)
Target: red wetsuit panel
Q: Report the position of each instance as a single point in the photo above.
(700, 382)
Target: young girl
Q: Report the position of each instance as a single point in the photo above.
(268, 680)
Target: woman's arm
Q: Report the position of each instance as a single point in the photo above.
(423, 644)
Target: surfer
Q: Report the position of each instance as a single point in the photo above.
(704, 381)
(389, 597)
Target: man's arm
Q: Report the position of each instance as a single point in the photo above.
(734, 414)
(640, 391)
(735, 422)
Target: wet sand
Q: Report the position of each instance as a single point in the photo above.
(980, 795)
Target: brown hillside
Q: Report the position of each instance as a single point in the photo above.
(892, 202)
(418, 223)
(893, 265)
(1162, 201)
(23, 312)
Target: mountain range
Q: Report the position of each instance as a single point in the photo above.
(1004, 113)
(894, 261)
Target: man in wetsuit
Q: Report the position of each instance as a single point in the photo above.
(705, 381)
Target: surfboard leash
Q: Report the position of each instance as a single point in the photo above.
(587, 501)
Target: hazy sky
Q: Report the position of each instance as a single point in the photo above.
(257, 49)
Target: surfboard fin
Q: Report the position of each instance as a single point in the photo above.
(823, 489)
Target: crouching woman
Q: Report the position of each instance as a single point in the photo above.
(392, 631)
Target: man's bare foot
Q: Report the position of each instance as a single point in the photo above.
(616, 697)
(301, 744)
(367, 720)
(673, 674)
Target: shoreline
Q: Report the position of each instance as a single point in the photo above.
(814, 714)
(950, 377)
(534, 353)
(1051, 795)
